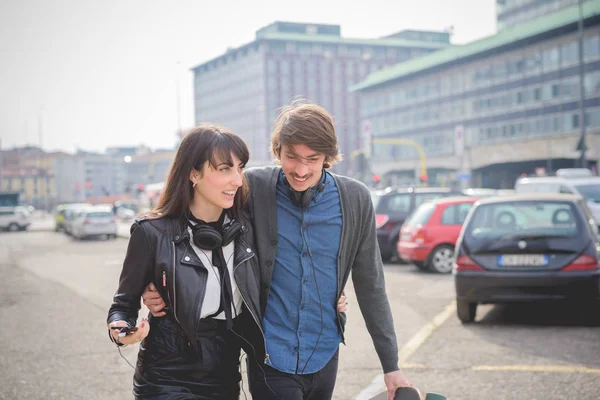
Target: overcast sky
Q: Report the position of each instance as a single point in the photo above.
(104, 73)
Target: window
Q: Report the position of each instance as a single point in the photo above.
(399, 203)
(421, 215)
(550, 58)
(565, 190)
(569, 53)
(456, 214)
(590, 192)
(539, 218)
(591, 46)
(421, 198)
(575, 121)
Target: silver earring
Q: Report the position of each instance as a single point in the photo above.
(194, 185)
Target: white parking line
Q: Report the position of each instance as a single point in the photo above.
(539, 368)
(377, 384)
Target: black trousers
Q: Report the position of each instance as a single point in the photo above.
(267, 383)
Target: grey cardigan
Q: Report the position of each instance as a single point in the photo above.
(359, 254)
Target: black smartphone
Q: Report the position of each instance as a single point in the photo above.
(125, 330)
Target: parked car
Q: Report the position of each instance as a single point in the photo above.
(526, 248)
(14, 218)
(428, 236)
(71, 213)
(95, 221)
(570, 181)
(125, 213)
(60, 215)
(393, 206)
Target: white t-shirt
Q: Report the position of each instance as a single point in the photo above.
(212, 297)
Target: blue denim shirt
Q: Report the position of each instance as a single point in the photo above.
(300, 321)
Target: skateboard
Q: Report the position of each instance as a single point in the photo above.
(410, 393)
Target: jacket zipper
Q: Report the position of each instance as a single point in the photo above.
(248, 307)
(172, 301)
(338, 260)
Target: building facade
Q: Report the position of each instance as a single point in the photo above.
(514, 12)
(491, 110)
(30, 171)
(244, 88)
(35, 185)
(148, 169)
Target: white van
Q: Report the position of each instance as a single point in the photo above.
(587, 187)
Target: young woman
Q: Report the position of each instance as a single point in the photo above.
(196, 248)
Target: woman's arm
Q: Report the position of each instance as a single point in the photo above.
(135, 275)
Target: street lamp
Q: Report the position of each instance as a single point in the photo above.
(582, 159)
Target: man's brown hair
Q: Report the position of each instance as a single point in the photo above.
(307, 124)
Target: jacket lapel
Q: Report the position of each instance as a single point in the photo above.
(182, 244)
(190, 257)
(272, 199)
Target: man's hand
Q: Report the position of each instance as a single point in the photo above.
(342, 304)
(153, 301)
(393, 380)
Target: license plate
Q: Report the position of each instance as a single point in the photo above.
(522, 260)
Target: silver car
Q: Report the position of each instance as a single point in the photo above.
(14, 218)
(94, 221)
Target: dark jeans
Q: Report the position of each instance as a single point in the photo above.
(267, 383)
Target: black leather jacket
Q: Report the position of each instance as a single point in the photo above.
(159, 251)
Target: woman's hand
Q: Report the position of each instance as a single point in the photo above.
(342, 304)
(134, 337)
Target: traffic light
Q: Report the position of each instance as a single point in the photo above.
(376, 178)
(140, 188)
(423, 177)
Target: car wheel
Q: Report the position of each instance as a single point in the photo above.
(466, 311)
(386, 255)
(13, 227)
(441, 259)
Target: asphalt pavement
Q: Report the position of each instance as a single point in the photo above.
(55, 293)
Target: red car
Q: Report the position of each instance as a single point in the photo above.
(428, 236)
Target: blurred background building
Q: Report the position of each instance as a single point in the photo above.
(244, 88)
(44, 180)
(482, 113)
(489, 111)
(514, 12)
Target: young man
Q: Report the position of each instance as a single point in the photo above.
(312, 228)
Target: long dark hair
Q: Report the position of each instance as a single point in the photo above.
(206, 142)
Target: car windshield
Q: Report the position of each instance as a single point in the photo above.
(523, 219)
(421, 215)
(589, 192)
